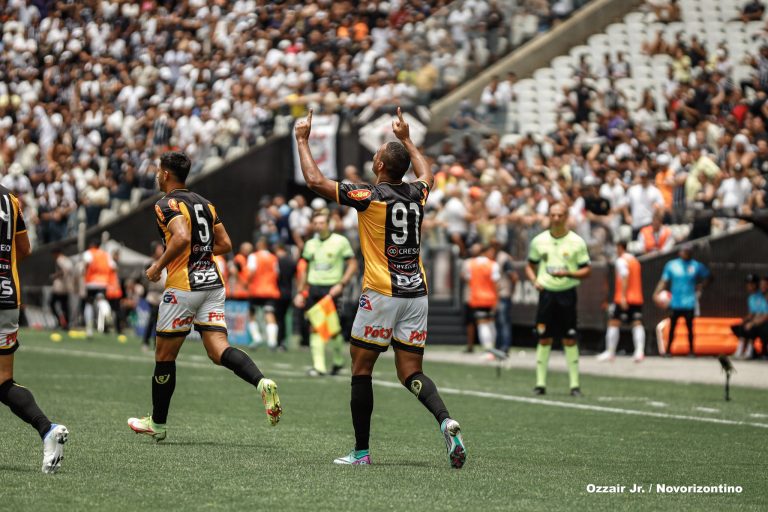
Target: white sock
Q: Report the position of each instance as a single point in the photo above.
(485, 331)
(638, 336)
(740, 348)
(611, 339)
(253, 330)
(272, 335)
(88, 313)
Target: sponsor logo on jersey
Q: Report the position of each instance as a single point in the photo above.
(408, 282)
(215, 316)
(173, 205)
(408, 268)
(359, 195)
(365, 303)
(159, 212)
(181, 322)
(201, 248)
(170, 298)
(6, 288)
(5, 265)
(417, 336)
(394, 251)
(377, 331)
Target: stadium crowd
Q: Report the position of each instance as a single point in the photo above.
(91, 92)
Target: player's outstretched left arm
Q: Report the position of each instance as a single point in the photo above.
(177, 243)
(421, 167)
(312, 175)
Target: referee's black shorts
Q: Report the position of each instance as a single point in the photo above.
(556, 314)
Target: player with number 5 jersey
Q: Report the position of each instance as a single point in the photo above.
(192, 235)
(393, 307)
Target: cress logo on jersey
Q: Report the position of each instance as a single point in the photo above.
(170, 298)
(365, 303)
(5, 265)
(159, 213)
(359, 194)
(173, 204)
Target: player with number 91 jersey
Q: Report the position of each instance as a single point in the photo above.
(390, 218)
(195, 269)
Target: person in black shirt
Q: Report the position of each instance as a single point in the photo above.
(286, 276)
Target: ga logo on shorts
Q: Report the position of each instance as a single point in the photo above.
(365, 303)
(170, 298)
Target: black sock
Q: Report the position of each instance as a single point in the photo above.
(22, 404)
(362, 408)
(163, 385)
(243, 366)
(426, 391)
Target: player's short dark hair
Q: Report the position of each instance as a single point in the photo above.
(622, 244)
(395, 159)
(177, 163)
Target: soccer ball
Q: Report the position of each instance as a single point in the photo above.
(662, 299)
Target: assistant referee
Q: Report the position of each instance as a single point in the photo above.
(557, 262)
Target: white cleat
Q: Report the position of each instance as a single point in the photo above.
(53, 448)
(605, 356)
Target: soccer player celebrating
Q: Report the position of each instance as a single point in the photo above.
(557, 262)
(627, 305)
(393, 305)
(14, 246)
(192, 234)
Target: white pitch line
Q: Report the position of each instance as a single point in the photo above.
(447, 391)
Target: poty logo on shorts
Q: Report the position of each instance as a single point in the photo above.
(215, 317)
(378, 332)
(365, 303)
(180, 322)
(418, 336)
(170, 298)
(359, 195)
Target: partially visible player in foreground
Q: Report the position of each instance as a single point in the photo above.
(557, 262)
(192, 234)
(627, 305)
(393, 306)
(14, 247)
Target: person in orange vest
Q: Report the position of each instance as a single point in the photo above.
(482, 275)
(114, 293)
(656, 236)
(98, 266)
(627, 305)
(239, 269)
(263, 272)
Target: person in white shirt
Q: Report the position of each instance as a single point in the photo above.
(643, 199)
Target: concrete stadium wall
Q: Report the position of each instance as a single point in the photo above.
(539, 52)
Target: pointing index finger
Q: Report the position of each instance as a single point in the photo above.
(309, 117)
(400, 115)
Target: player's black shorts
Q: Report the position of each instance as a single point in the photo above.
(267, 304)
(92, 293)
(556, 314)
(634, 313)
(316, 293)
(475, 314)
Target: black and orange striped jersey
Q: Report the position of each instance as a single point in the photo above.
(11, 224)
(389, 219)
(195, 269)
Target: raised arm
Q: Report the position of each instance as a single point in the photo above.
(421, 167)
(312, 175)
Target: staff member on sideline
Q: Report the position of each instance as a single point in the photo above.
(482, 276)
(557, 262)
(685, 278)
(627, 305)
(331, 265)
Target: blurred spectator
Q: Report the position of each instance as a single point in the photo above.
(755, 324)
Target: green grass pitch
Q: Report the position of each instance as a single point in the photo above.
(222, 455)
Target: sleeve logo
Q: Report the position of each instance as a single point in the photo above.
(359, 195)
(173, 205)
(159, 213)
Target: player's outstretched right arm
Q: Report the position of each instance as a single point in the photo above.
(421, 167)
(312, 175)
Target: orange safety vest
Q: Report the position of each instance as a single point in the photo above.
(263, 282)
(241, 278)
(114, 290)
(634, 282)
(97, 273)
(482, 288)
(649, 239)
(221, 263)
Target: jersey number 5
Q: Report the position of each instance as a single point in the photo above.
(400, 222)
(205, 232)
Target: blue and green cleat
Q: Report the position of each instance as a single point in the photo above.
(457, 453)
(355, 458)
